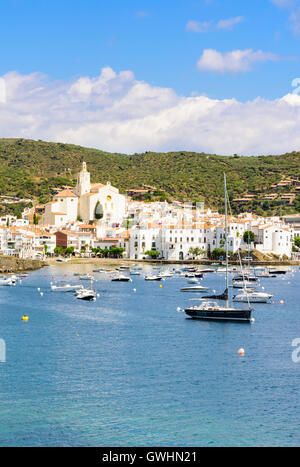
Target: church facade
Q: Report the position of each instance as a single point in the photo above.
(87, 202)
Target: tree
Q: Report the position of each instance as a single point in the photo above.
(152, 253)
(248, 236)
(58, 250)
(196, 251)
(297, 242)
(69, 250)
(218, 253)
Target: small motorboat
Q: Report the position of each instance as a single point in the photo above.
(240, 284)
(153, 278)
(86, 294)
(278, 271)
(164, 274)
(65, 288)
(195, 288)
(121, 278)
(7, 281)
(246, 277)
(135, 273)
(252, 297)
(86, 277)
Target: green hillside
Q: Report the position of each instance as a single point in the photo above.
(30, 168)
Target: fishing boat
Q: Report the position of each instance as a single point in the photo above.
(212, 311)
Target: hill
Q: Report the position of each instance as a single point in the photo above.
(31, 168)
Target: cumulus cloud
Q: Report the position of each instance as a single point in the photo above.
(116, 112)
(205, 26)
(197, 26)
(229, 23)
(236, 61)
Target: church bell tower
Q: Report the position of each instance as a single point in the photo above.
(83, 181)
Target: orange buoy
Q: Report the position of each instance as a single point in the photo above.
(241, 352)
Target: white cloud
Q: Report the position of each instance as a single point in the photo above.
(294, 13)
(236, 61)
(283, 3)
(197, 26)
(229, 23)
(116, 112)
(205, 26)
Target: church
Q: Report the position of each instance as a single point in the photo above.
(87, 202)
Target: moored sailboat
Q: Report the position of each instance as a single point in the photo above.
(212, 311)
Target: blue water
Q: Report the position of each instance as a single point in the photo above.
(129, 370)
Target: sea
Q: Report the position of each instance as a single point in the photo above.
(131, 369)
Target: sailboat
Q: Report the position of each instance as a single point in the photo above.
(212, 311)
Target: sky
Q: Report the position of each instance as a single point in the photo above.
(216, 76)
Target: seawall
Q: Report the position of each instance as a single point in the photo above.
(13, 264)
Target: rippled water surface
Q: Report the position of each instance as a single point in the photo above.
(129, 370)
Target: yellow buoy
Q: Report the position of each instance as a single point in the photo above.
(241, 352)
(25, 318)
(160, 286)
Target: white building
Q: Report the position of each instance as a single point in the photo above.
(87, 202)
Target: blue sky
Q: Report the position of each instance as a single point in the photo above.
(137, 75)
(69, 38)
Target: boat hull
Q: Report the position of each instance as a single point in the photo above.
(220, 315)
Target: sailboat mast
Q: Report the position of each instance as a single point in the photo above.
(226, 230)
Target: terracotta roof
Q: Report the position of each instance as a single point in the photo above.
(87, 226)
(66, 194)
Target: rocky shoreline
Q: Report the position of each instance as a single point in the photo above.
(13, 264)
